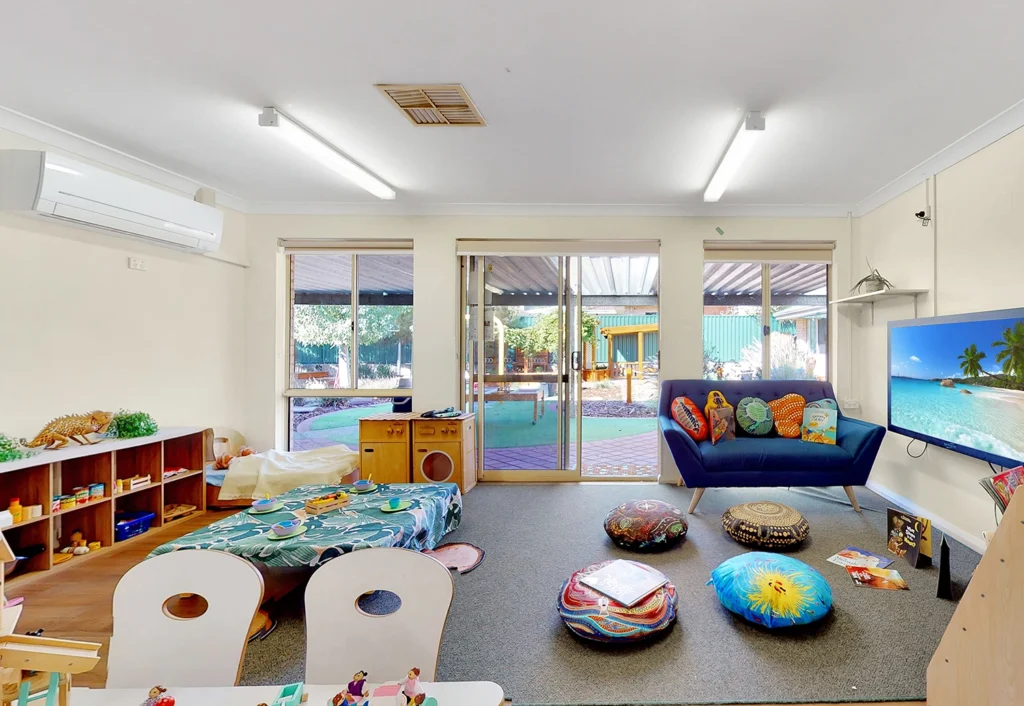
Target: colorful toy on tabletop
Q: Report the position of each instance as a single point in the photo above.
(290, 695)
(158, 696)
(355, 694)
(325, 503)
(411, 687)
(396, 505)
(73, 427)
(388, 695)
(364, 485)
(131, 425)
(265, 504)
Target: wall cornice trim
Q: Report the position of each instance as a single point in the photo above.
(976, 140)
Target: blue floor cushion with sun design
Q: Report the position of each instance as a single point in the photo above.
(772, 590)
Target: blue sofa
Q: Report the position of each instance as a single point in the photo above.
(771, 461)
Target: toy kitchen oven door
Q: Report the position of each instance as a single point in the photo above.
(444, 451)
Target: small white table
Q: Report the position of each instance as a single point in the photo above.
(457, 693)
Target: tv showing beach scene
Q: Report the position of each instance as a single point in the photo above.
(958, 382)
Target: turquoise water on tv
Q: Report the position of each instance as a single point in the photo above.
(987, 420)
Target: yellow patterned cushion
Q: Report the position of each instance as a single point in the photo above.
(788, 413)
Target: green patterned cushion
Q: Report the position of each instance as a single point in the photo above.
(754, 416)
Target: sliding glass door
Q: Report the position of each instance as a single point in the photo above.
(521, 342)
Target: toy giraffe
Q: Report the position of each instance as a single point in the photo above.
(35, 668)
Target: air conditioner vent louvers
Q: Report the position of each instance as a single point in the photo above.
(446, 104)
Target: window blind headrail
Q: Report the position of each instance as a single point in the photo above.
(331, 245)
(776, 251)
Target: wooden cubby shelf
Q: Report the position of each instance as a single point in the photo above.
(37, 480)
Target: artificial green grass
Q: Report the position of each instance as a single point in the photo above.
(508, 425)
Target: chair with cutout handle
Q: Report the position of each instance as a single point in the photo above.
(183, 619)
(342, 639)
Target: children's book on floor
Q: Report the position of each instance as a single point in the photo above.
(855, 556)
(910, 537)
(885, 579)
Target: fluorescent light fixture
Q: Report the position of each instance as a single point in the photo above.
(742, 145)
(312, 145)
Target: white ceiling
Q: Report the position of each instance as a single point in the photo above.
(587, 101)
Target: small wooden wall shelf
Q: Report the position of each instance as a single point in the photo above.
(38, 479)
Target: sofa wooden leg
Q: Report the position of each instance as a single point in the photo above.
(679, 482)
(697, 492)
(852, 497)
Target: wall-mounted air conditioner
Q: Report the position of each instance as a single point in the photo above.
(49, 185)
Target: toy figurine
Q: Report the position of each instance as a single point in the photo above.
(158, 697)
(354, 695)
(411, 687)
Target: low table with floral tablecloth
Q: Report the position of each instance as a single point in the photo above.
(435, 510)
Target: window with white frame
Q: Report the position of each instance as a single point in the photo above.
(349, 340)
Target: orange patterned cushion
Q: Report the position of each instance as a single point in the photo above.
(788, 413)
(689, 417)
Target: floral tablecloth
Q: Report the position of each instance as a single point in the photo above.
(436, 510)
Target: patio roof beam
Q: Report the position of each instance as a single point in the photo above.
(345, 298)
(755, 300)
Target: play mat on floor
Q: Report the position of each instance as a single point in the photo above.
(434, 510)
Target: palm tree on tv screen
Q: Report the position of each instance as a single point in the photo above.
(1012, 353)
(970, 361)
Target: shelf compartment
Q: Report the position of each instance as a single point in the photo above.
(92, 518)
(190, 491)
(146, 499)
(145, 460)
(182, 476)
(31, 486)
(83, 472)
(136, 490)
(24, 535)
(184, 452)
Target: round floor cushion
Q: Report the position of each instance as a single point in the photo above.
(772, 589)
(645, 525)
(765, 525)
(594, 616)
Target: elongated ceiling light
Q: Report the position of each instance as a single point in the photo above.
(742, 144)
(314, 146)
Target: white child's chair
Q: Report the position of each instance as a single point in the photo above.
(341, 639)
(149, 645)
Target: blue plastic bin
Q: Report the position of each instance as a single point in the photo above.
(131, 524)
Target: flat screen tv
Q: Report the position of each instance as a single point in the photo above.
(958, 382)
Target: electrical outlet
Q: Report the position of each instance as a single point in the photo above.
(136, 263)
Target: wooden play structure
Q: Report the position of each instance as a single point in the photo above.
(978, 661)
(616, 369)
(35, 668)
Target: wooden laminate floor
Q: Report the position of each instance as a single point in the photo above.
(75, 603)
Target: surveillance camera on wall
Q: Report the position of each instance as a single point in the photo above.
(924, 217)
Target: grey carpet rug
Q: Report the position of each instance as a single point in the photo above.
(504, 628)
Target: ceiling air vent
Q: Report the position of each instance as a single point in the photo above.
(443, 104)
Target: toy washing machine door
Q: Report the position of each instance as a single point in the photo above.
(436, 465)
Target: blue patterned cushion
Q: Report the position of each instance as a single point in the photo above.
(754, 416)
(772, 589)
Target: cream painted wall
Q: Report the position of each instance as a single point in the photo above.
(977, 220)
(435, 322)
(79, 330)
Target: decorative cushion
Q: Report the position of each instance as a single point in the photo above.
(788, 412)
(595, 616)
(772, 590)
(723, 424)
(765, 525)
(689, 417)
(716, 400)
(826, 403)
(754, 416)
(645, 524)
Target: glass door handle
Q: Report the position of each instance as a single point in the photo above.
(575, 360)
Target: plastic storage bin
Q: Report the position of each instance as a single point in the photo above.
(131, 524)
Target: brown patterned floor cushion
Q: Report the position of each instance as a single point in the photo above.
(645, 525)
(765, 525)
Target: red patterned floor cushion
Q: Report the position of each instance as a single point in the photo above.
(594, 616)
(645, 525)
